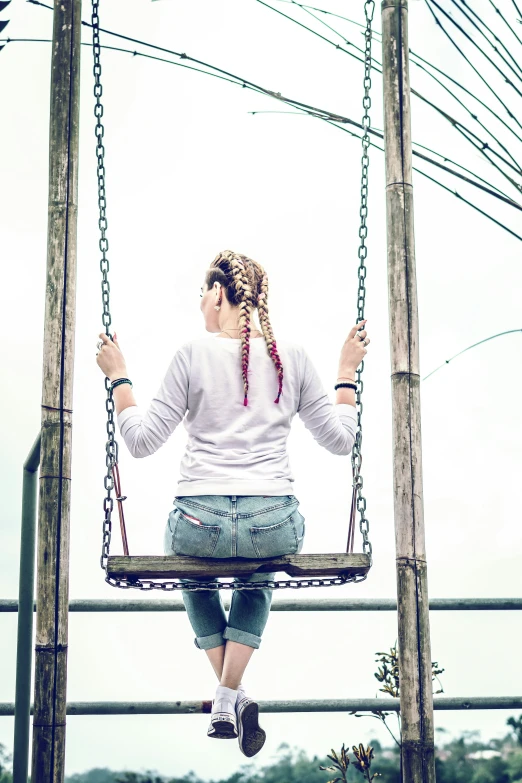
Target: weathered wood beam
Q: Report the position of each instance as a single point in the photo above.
(416, 693)
(57, 387)
(176, 567)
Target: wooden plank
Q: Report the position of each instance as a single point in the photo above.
(416, 692)
(48, 752)
(171, 567)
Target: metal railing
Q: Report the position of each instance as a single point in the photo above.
(24, 643)
(286, 605)
(295, 705)
(25, 606)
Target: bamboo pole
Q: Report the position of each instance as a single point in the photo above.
(416, 692)
(57, 385)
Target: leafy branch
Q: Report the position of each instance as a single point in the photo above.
(388, 675)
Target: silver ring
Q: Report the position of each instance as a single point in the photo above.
(99, 345)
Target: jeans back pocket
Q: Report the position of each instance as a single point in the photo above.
(193, 539)
(284, 538)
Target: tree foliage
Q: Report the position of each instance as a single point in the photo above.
(465, 759)
(5, 767)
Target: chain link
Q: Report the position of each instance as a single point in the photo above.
(111, 447)
(364, 526)
(172, 586)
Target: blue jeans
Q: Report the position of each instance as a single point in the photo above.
(224, 526)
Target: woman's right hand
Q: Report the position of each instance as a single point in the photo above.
(354, 350)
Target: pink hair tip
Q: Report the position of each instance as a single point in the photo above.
(245, 401)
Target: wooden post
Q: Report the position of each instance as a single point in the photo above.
(57, 385)
(416, 692)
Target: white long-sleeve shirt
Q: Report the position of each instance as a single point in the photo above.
(233, 449)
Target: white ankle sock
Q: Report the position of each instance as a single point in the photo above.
(226, 693)
(225, 699)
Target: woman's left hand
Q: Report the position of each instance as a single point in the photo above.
(110, 358)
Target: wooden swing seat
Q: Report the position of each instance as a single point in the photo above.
(176, 567)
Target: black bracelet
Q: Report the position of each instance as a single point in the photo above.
(114, 384)
(345, 386)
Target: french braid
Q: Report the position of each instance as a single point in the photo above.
(246, 285)
(266, 328)
(244, 294)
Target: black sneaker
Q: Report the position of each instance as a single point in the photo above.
(223, 724)
(251, 735)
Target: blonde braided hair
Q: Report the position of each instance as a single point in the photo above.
(246, 285)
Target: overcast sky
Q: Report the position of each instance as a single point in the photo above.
(191, 172)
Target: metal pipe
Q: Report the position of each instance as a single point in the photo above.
(288, 605)
(24, 642)
(300, 705)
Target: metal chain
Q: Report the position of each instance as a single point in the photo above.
(172, 586)
(111, 447)
(364, 526)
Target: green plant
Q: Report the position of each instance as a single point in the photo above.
(340, 764)
(388, 675)
(362, 763)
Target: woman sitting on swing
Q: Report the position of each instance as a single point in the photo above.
(234, 497)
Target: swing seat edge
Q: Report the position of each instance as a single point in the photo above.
(181, 567)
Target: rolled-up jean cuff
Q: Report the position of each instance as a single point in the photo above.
(208, 642)
(243, 637)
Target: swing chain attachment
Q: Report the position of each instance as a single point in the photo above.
(364, 526)
(111, 446)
